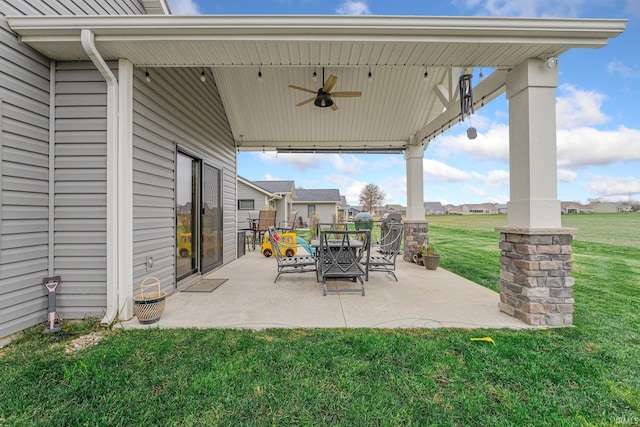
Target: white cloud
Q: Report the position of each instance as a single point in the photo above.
(565, 175)
(495, 178)
(617, 67)
(183, 7)
(353, 8)
(437, 171)
(578, 108)
(269, 177)
(491, 144)
(347, 164)
(603, 186)
(529, 8)
(300, 161)
(588, 146)
(349, 187)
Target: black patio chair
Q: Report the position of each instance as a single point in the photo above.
(344, 255)
(293, 264)
(384, 257)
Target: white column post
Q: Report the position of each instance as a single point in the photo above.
(532, 146)
(414, 156)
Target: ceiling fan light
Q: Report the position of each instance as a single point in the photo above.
(323, 100)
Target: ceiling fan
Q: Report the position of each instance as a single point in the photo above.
(324, 95)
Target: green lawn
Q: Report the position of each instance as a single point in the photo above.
(586, 375)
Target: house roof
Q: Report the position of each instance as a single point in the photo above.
(433, 205)
(262, 190)
(156, 7)
(277, 186)
(317, 195)
(397, 107)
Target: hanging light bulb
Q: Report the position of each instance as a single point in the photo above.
(315, 75)
(147, 77)
(259, 74)
(426, 74)
(203, 78)
(370, 76)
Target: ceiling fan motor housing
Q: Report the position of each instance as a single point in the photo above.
(323, 99)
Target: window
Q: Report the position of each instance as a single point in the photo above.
(246, 204)
(311, 209)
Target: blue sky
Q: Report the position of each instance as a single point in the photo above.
(597, 112)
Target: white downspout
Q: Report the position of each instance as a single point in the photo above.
(88, 43)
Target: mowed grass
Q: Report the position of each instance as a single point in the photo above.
(586, 375)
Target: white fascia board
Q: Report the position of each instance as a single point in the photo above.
(567, 32)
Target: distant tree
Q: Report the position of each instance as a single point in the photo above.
(370, 196)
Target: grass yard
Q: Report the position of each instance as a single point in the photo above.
(586, 375)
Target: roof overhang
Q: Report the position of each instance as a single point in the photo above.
(156, 7)
(397, 106)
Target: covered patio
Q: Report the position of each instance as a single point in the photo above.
(409, 74)
(420, 299)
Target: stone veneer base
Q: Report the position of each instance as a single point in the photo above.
(535, 275)
(415, 232)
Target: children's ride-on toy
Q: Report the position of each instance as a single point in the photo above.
(288, 245)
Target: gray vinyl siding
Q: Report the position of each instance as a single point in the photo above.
(71, 7)
(24, 183)
(175, 108)
(80, 188)
(247, 193)
(24, 180)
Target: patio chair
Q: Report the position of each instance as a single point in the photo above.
(294, 264)
(329, 226)
(290, 223)
(266, 219)
(344, 255)
(387, 252)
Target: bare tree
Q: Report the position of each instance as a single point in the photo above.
(370, 196)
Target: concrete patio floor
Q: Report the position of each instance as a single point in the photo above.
(249, 299)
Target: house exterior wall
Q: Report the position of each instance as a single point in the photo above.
(175, 108)
(80, 189)
(28, 215)
(605, 208)
(328, 212)
(248, 193)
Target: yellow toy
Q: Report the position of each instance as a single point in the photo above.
(288, 245)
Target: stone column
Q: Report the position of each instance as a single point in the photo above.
(535, 275)
(415, 232)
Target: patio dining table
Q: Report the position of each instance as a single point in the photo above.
(339, 256)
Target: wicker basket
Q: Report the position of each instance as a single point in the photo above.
(148, 306)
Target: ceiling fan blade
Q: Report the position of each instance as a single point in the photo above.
(345, 94)
(330, 83)
(299, 104)
(303, 89)
(334, 107)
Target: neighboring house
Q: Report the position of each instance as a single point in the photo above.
(434, 208)
(502, 208)
(575, 208)
(610, 207)
(481, 208)
(324, 202)
(252, 198)
(286, 192)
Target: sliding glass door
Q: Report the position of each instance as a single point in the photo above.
(198, 216)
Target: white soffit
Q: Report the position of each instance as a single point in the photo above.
(396, 104)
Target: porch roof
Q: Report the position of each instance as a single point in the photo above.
(396, 103)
